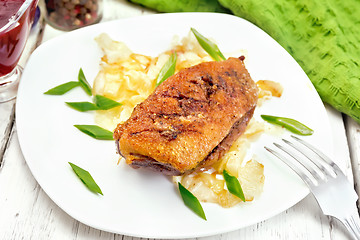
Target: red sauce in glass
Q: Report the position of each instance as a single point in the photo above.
(12, 40)
(7, 9)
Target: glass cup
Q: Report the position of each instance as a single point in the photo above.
(68, 15)
(16, 17)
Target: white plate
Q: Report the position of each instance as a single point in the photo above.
(135, 202)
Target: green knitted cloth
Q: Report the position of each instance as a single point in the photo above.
(183, 5)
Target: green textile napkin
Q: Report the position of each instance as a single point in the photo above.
(183, 5)
(322, 36)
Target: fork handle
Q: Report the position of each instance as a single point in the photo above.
(352, 224)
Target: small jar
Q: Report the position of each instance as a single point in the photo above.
(68, 15)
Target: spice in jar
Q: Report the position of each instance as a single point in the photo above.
(71, 14)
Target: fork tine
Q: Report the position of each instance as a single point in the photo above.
(295, 168)
(311, 170)
(330, 164)
(324, 171)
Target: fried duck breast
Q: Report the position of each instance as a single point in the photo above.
(190, 120)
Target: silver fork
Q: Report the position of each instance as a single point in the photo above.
(330, 187)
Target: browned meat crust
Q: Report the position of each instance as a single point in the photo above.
(191, 119)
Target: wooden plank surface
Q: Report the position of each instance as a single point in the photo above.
(7, 119)
(26, 212)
